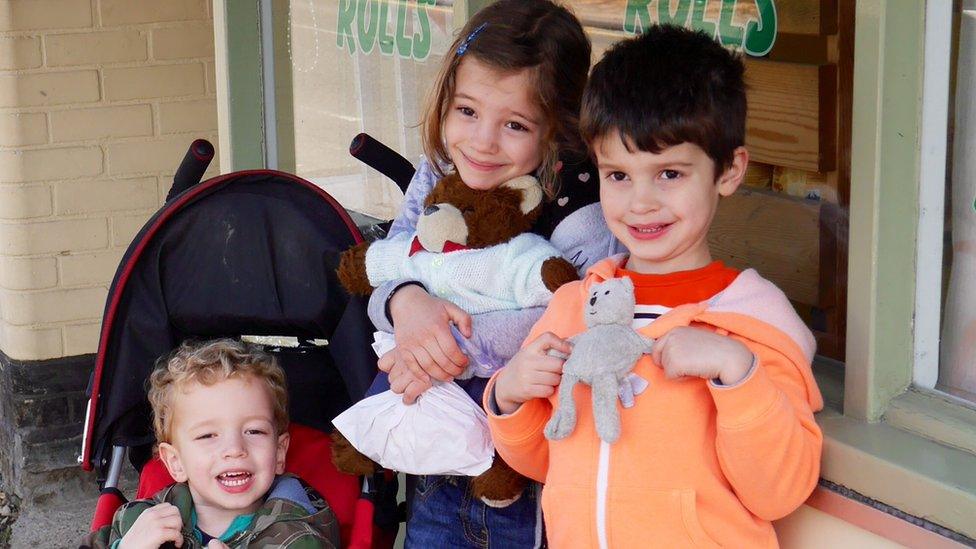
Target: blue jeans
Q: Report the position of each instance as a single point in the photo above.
(443, 513)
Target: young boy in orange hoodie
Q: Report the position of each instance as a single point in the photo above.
(722, 439)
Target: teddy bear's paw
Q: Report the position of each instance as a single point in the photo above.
(608, 434)
(556, 271)
(348, 460)
(559, 427)
(500, 503)
(352, 270)
(499, 486)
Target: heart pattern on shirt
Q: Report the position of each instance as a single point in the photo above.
(584, 177)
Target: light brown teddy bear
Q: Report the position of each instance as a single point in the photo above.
(472, 247)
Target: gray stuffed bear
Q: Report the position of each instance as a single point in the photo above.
(602, 357)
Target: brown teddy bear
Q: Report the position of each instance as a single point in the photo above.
(473, 248)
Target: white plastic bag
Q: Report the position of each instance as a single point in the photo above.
(443, 433)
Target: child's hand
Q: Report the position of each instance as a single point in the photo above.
(687, 351)
(532, 373)
(421, 327)
(402, 381)
(154, 527)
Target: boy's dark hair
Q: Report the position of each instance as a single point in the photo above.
(665, 87)
(511, 35)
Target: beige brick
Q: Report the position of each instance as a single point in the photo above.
(78, 197)
(48, 306)
(30, 343)
(59, 236)
(18, 129)
(98, 123)
(125, 228)
(89, 269)
(188, 116)
(44, 14)
(159, 155)
(154, 81)
(24, 202)
(125, 12)
(81, 339)
(190, 41)
(20, 52)
(50, 88)
(28, 273)
(41, 164)
(95, 47)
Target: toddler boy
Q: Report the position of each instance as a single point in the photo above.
(221, 421)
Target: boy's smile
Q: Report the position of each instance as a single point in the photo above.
(225, 447)
(660, 205)
(494, 127)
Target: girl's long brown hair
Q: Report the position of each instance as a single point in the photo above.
(521, 34)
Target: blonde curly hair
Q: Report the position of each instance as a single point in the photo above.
(207, 363)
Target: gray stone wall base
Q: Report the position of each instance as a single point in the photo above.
(42, 413)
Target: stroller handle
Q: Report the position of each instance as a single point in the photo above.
(383, 159)
(191, 169)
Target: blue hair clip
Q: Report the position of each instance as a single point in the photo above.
(474, 34)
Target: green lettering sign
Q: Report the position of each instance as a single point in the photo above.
(698, 21)
(367, 22)
(345, 19)
(421, 40)
(386, 41)
(636, 16)
(761, 35)
(729, 34)
(680, 16)
(402, 40)
(756, 39)
(367, 27)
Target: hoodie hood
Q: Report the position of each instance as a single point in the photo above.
(751, 307)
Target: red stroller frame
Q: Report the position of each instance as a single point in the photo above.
(254, 253)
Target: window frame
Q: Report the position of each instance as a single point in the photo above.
(893, 438)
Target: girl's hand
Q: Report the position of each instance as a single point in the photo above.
(421, 327)
(154, 527)
(532, 373)
(402, 381)
(687, 351)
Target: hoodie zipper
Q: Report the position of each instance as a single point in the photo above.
(602, 481)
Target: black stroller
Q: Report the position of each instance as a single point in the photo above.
(247, 253)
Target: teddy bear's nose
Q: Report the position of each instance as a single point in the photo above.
(430, 209)
(593, 301)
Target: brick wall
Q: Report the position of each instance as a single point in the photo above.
(98, 101)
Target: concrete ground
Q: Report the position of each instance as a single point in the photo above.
(53, 525)
(61, 521)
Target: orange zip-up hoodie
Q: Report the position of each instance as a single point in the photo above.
(697, 464)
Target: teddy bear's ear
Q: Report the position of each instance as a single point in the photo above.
(531, 191)
(628, 284)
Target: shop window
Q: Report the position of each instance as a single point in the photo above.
(354, 66)
(957, 364)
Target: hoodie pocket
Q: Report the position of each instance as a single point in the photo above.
(659, 518)
(569, 516)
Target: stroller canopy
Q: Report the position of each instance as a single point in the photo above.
(245, 253)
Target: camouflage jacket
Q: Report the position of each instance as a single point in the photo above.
(278, 523)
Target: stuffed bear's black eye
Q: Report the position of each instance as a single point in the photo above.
(606, 292)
